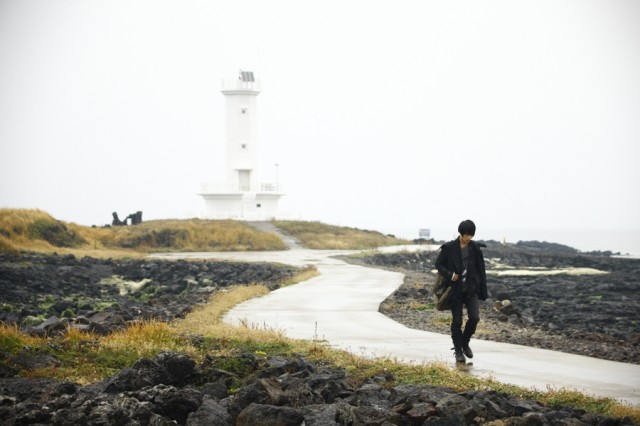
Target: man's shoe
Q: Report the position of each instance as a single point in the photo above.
(460, 357)
(467, 351)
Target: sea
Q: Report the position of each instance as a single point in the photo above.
(624, 242)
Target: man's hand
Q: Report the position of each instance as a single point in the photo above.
(455, 277)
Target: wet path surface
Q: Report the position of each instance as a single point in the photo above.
(341, 306)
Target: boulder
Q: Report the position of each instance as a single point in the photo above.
(269, 415)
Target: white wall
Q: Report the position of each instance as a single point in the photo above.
(219, 206)
(241, 135)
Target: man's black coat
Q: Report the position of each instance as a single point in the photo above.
(450, 260)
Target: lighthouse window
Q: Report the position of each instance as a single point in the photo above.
(243, 146)
(244, 110)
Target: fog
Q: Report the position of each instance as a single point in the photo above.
(381, 115)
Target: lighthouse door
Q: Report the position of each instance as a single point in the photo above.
(244, 179)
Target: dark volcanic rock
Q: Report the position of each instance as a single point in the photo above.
(278, 402)
(46, 294)
(167, 369)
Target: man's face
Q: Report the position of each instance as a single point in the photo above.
(465, 238)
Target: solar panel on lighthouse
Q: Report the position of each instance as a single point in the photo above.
(247, 76)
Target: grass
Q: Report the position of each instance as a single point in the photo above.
(185, 235)
(35, 230)
(317, 235)
(86, 358)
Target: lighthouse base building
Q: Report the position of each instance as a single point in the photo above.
(242, 195)
(241, 205)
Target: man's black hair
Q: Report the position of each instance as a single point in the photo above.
(467, 227)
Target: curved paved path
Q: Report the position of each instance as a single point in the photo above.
(341, 306)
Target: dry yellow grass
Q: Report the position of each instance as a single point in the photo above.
(316, 235)
(207, 319)
(183, 235)
(35, 230)
(146, 339)
(12, 339)
(304, 274)
(19, 231)
(14, 229)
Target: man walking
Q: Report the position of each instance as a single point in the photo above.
(461, 262)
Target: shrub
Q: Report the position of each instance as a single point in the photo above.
(170, 237)
(54, 232)
(68, 313)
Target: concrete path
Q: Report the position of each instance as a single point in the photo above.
(341, 307)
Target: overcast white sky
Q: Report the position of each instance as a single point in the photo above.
(387, 115)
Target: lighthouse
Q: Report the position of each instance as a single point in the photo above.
(242, 195)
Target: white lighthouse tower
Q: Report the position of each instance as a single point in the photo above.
(242, 195)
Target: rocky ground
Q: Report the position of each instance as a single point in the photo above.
(593, 315)
(172, 389)
(46, 294)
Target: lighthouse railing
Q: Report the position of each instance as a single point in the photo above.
(229, 85)
(271, 187)
(221, 187)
